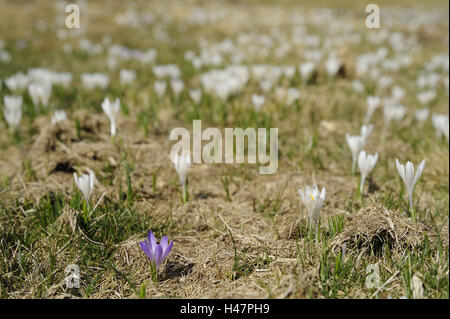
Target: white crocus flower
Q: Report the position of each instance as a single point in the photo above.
(355, 143)
(58, 116)
(177, 86)
(13, 117)
(91, 81)
(384, 81)
(182, 163)
(17, 82)
(397, 93)
(168, 70)
(441, 125)
(357, 86)
(223, 91)
(288, 71)
(160, 88)
(410, 180)
(280, 94)
(292, 95)
(189, 55)
(422, 115)
(40, 93)
(127, 76)
(62, 79)
(393, 112)
(366, 164)
(111, 109)
(426, 97)
(12, 101)
(372, 102)
(197, 63)
(306, 70)
(196, 95)
(112, 62)
(258, 101)
(265, 84)
(12, 110)
(313, 200)
(365, 132)
(332, 65)
(85, 183)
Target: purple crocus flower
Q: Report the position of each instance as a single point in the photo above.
(156, 252)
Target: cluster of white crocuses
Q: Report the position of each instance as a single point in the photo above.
(40, 93)
(357, 142)
(38, 82)
(117, 53)
(176, 83)
(366, 164)
(18, 82)
(171, 71)
(226, 82)
(440, 122)
(91, 81)
(86, 182)
(392, 111)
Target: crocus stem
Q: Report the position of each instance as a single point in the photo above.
(316, 234)
(15, 134)
(185, 192)
(113, 128)
(153, 271)
(361, 187)
(361, 190)
(85, 209)
(353, 164)
(411, 208)
(367, 117)
(310, 231)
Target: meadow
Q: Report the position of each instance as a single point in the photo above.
(102, 100)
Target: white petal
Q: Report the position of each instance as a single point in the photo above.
(419, 171)
(401, 170)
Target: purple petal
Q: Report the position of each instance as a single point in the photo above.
(164, 243)
(158, 255)
(168, 249)
(145, 247)
(152, 240)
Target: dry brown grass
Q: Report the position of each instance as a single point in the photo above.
(255, 246)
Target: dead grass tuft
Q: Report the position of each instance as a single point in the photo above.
(375, 227)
